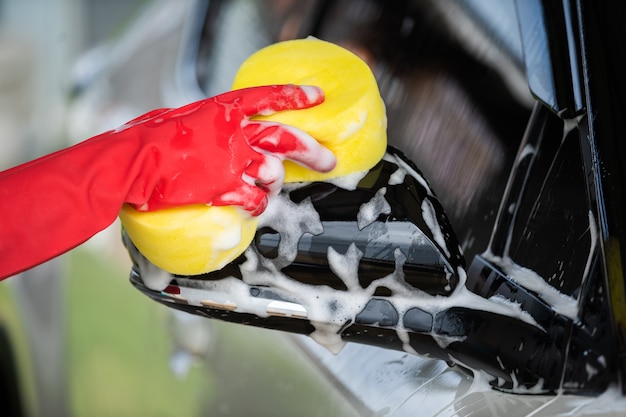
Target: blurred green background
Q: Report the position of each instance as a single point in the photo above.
(119, 347)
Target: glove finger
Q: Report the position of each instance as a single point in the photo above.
(249, 197)
(270, 99)
(269, 175)
(291, 143)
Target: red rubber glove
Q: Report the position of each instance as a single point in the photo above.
(205, 152)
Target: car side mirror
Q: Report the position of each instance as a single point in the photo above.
(371, 259)
(328, 257)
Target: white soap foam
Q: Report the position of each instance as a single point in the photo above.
(354, 126)
(593, 234)
(370, 211)
(153, 277)
(529, 279)
(291, 220)
(430, 218)
(348, 182)
(397, 177)
(412, 172)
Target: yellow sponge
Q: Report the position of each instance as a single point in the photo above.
(192, 239)
(196, 239)
(351, 122)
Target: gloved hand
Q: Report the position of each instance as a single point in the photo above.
(205, 152)
(211, 152)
